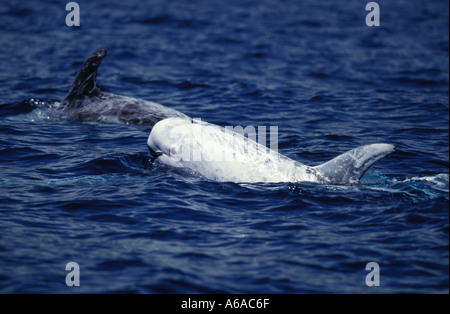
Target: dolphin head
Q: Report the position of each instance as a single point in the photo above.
(167, 139)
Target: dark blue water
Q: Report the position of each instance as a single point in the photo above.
(84, 192)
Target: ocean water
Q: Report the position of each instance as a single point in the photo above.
(84, 192)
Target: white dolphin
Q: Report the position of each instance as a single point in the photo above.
(221, 154)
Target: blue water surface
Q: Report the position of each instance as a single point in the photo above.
(84, 192)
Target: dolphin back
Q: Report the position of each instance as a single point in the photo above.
(349, 167)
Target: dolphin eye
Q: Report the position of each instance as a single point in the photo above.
(173, 150)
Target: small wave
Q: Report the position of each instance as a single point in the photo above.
(439, 181)
(83, 179)
(156, 20)
(420, 81)
(418, 188)
(33, 108)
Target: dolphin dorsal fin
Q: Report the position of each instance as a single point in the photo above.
(349, 167)
(85, 81)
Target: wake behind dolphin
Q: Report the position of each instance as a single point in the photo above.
(86, 102)
(221, 154)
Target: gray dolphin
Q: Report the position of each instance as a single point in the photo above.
(87, 102)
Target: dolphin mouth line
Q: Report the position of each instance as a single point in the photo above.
(153, 154)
